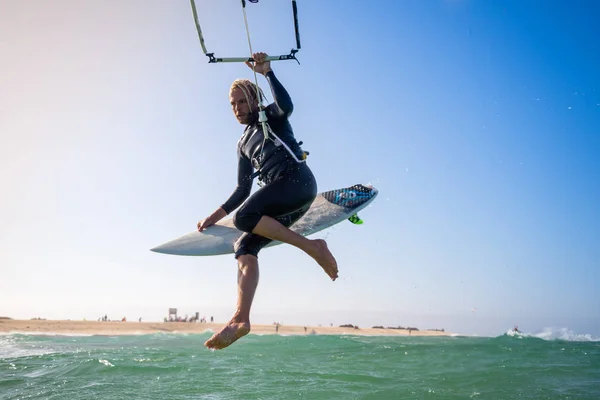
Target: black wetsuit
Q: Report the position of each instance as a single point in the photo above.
(289, 186)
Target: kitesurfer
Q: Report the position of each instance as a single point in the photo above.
(288, 189)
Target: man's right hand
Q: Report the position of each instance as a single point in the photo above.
(205, 223)
(212, 219)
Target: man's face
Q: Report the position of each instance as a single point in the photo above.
(241, 108)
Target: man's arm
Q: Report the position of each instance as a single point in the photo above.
(281, 97)
(244, 185)
(282, 106)
(241, 193)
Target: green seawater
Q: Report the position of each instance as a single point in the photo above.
(177, 366)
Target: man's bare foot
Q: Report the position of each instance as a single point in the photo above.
(323, 256)
(229, 334)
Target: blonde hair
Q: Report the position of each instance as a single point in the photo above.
(249, 89)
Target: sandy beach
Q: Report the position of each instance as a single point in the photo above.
(138, 328)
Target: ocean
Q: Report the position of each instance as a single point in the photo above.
(177, 366)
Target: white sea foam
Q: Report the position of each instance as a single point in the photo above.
(551, 333)
(12, 348)
(105, 362)
(11, 333)
(565, 334)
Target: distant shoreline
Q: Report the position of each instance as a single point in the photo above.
(112, 328)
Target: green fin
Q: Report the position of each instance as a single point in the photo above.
(355, 219)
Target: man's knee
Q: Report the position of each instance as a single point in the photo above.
(249, 244)
(245, 247)
(245, 222)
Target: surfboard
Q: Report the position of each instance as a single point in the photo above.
(328, 208)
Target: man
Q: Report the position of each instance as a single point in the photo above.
(288, 190)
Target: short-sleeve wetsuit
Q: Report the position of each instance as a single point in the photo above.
(289, 186)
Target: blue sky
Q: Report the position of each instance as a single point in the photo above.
(479, 122)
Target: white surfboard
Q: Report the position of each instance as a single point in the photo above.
(328, 208)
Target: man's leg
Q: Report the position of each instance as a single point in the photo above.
(239, 325)
(270, 210)
(316, 248)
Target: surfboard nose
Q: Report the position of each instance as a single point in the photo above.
(167, 248)
(215, 240)
(159, 249)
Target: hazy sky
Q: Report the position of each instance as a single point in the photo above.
(478, 121)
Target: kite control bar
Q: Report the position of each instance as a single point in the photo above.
(213, 59)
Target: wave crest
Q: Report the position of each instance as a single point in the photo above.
(551, 333)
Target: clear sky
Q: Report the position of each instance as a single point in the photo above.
(478, 121)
